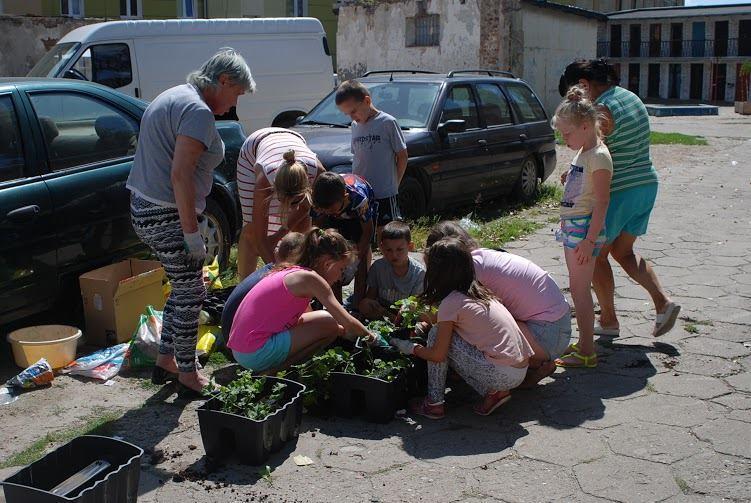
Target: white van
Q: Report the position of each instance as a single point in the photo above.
(288, 57)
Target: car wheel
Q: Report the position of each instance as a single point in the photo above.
(412, 200)
(526, 185)
(217, 236)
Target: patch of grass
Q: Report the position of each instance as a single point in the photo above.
(497, 224)
(658, 138)
(650, 387)
(690, 328)
(98, 422)
(148, 385)
(683, 485)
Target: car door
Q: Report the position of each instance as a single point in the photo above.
(110, 64)
(505, 138)
(90, 143)
(28, 264)
(529, 111)
(461, 173)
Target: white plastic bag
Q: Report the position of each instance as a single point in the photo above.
(103, 364)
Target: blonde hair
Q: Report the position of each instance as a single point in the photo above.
(577, 109)
(291, 182)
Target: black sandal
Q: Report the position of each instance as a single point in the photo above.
(160, 376)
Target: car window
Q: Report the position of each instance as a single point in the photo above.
(107, 64)
(11, 153)
(493, 105)
(460, 105)
(526, 103)
(409, 103)
(80, 129)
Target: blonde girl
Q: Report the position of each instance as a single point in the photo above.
(275, 173)
(583, 210)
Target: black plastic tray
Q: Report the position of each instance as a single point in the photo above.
(117, 484)
(228, 435)
(375, 400)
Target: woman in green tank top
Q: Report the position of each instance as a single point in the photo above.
(633, 190)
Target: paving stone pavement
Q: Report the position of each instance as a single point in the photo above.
(665, 419)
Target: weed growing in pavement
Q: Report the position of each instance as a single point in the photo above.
(98, 422)
(690, 328)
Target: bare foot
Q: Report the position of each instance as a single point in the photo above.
(193, 380)
(167, 362)
(536, 375)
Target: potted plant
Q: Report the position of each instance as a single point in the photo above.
(743, 106)
(251, 417)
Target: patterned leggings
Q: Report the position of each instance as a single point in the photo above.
(159, 228)
(470, 363)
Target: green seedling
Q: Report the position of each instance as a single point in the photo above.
(247, 396)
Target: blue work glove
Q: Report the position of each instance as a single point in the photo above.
(404, 346)
(195, 249)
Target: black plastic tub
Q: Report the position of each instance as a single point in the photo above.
(375, 400)
(248, 440)
(117, 483)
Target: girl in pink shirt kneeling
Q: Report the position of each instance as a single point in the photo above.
(475, 334)
(274, 326)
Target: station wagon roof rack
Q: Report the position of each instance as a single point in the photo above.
(392, 72)
(489, 72)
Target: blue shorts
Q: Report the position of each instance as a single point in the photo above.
(553, 336)
(629, 211)
(271, 355)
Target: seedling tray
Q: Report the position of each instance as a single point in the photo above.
(375, 400)
(118, 483)
(251, 441)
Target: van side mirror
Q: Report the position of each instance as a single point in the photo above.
(299, 119)
(452, 126)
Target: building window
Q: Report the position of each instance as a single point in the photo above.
(298, 8)
(187, 8)
(131, 9)
(424, 29)
(71, 8)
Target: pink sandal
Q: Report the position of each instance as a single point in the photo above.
(423, 407)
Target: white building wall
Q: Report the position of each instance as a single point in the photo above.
(373, 38)
(552, 40)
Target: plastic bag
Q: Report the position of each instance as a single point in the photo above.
(144, 345)
(103, 364)
(38, 374)
(468, 224)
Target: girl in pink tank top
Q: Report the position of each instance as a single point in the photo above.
(274, 326)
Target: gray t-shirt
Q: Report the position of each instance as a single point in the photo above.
(391, 287)
(374, 145)
(177, 111)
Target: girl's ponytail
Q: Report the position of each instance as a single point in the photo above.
(320, 243)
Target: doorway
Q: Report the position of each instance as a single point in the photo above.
(633, 77)
(719, 82)
(697, 81)
(674, 82)
(653, 80)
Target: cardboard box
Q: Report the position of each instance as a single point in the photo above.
(114, 297)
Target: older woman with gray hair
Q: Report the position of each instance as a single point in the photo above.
(178, 149)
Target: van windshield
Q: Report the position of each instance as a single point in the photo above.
(55, 59)
(409, 103)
